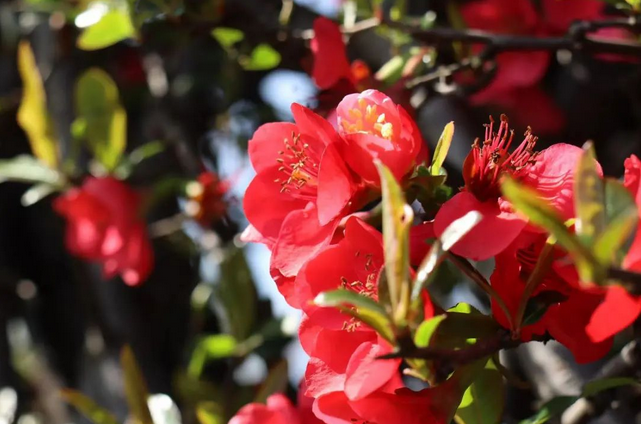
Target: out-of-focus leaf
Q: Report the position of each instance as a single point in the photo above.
(442, 147)
(550, 409)
(209, 348)
(621, 218)
(87, 407)
(135, 387)
(114, 26)
(426, 330)
(28, 169)
(397, 218)
(484, 400)
(275, 382)
(589, 197)
(262, 58)
(8, 404)
(526, 201)
(237, 294)
(463, 324)
(36, 193)
(210, 413)
(593, 387)
(104, 119)
(227, 37)
(391, 71)
(193, 391)
(538, 305)
(452, 234)
(163, 409)
(360, 307)
(32, 114)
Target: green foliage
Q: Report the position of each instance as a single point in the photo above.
(101, 119)
(397, 219)
(484, 400)
(114, 26)
(589, 197)
(594, 387)
(227, 37)
(426, 330)
(237, 294)
(135, 387)
(210, 413)
(262, 58)
(550, 409)
(87, 407)
(276, 382)
(442, 148)
(32, 114)
(28, 169)
(208, 348)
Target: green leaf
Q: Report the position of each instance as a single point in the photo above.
(135, 387)
(538, 305)
(589, 197)
(28, 169)
(593, 387)
(209, 348)
(210, 413)
(391, 71)
(426, 330)
(464, 324)
(103, 118)
(621, 217)
(452, 234)
(262, 58)
(87, 407)
(442, 147)
(276, 382)
(527, 201)
(114, 26)
(237, 295)
(551, 409)
(227, 37)
(32, 114)
(360, 307)
(397, 218)
(484, 400)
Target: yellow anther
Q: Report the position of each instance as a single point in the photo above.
(387, 131)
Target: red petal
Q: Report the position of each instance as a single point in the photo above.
(488, 238)
(334, 408)
(335, 186)
(618, 310)
(267, 141)
(559, 15)
(321, 379)
(365, 373)
(330, 57)
(420, 241)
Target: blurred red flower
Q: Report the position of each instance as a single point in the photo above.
(277, 410)
(104, 225)
(208, 194)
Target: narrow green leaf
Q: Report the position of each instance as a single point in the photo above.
(32, 114)
(227, 37)
(589, 197)
(87, 407)
(28, 169)
(210, 413)
(262, 58)
(464, 324)
(397, 218)
(391, 71)
(593, 387)
(276, 382)
(236, 294)
(102, 117)
(484, 400)
(526, 201)
(621, 217)
(135, 387)
(550, 409)
(114, 26)
(360, 307)
(442, 147)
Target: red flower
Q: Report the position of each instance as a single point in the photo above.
(277, 410)
(208, 194)
(559, 15)
(374, 127)
(103, 224)
(301, 190)
(550, 172)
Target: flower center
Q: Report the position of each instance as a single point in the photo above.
(297, 163)
(366, 284)
(365, 119)
(488, 162)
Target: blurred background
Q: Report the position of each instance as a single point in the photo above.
(196, 78)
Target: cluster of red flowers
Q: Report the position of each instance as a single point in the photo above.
(306, 204)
